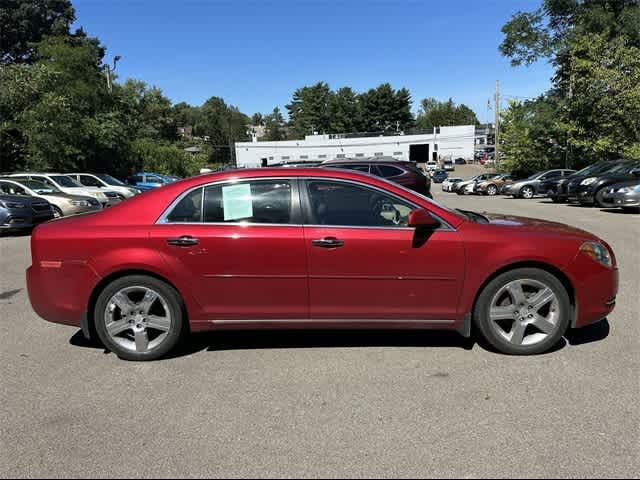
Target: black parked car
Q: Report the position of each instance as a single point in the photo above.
(21, 212)
(439, 176)
(404, 173)
(558, 190)
(536, 184)
(591, 189)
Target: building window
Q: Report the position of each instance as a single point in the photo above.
(435, 147)
(322, 156)
(284, 158)
(398, 153)
(304, 157)
(437, 130)
(378, 154)
(359, 154)
(270, 158)
(341, 155)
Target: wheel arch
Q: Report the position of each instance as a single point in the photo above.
(88, 326)
(547, 267)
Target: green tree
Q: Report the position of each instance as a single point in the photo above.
(25, 23)
(274, 126)
(257, 119)
(309, 110)
(385, 109)
(224, 125)
(344, 112)
(533, 138)
(434, 113)
(595, 48)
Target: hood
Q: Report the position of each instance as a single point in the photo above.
(535, 224)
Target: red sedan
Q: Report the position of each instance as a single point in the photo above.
(313, 248)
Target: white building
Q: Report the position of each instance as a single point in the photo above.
(443, 143)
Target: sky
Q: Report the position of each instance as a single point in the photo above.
(255, 54)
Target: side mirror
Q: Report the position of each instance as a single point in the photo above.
(420, 218)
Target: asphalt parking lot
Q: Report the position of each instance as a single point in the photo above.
(327, 404)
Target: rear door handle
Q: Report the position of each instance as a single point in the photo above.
(184, 241)
(329, 242)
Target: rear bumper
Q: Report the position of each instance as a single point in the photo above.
(59, 291)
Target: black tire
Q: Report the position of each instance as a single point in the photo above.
(57, 212)
(483, 305)
(557, 200)
(597, 198)
(173, 300)
(527, 192)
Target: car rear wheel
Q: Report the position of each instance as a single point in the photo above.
(525, 311)
(57, 213)
(492, 190)
(527, 192)
(139, 318)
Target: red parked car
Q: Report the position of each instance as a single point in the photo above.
(312, 248)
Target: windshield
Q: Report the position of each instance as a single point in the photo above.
(621, 168)
(40, 187)
(108, 179)
(535, 175)
(65, 181)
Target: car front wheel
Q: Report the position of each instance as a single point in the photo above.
(139, 317)
(525, 311)
(492, 190)
(527, 192)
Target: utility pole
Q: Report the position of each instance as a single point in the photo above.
(109, 71)
(497, 122)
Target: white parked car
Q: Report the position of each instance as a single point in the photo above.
(104, 181)
(70, 186)
(448, 184)
(449, 166)
(431, 166)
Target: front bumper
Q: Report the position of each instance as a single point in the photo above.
(617, 199)
(595, 288)
(18, 220)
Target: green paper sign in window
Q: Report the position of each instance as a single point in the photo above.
(236, 202)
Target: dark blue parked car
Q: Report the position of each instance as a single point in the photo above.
(147, 181)
(439, 176)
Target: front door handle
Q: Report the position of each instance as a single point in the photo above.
(184, 241)
(328, 242)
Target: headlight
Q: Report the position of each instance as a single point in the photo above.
(79, 203)
(637, 189)
(597, 252)
(588, 181)
(6, 204)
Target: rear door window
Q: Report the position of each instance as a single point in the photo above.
(257, 201)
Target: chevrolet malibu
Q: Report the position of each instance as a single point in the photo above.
(313, 248)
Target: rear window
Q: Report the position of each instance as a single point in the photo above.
(386, 171)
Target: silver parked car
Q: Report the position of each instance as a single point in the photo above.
(102, 180)
(62, 203)
(625, 195)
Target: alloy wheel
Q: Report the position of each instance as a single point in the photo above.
(138, 319)
(492, 190)
(525, 312)
(527, 192)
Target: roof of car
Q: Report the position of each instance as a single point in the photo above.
(365, 160)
